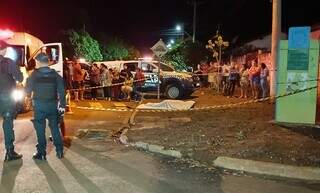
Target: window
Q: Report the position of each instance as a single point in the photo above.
(53, 54)
(51, 51)
(131, 66)
(16, 53)
(164, 67)
(146, 67)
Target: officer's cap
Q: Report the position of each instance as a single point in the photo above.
(42, 57)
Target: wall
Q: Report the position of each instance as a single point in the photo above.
(315, 34)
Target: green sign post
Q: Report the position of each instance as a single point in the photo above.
(297, 70)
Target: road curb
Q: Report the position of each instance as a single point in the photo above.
(267, 168)
(157, 149)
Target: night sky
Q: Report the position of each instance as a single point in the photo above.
(143, 22)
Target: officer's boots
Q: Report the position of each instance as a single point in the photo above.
(12, 155)
(39, 156)
(60, 155)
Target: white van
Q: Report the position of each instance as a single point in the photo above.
(23, 48)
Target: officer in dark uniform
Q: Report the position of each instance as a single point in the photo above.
(47, 88)
(9, 74)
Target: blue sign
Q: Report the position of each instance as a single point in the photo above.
(299, 37)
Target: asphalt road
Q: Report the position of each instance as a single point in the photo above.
(96, 166)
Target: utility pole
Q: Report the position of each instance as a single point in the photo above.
(276, 31)
(194, 20)
(195, 4)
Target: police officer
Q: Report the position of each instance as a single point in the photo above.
(47, 88)
(9, 74)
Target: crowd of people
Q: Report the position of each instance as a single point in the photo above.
(114, 84)
(226, 77)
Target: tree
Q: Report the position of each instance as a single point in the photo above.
(133, 53)
(216, 45)
(117, 49)
(83, 45)
(186, 54)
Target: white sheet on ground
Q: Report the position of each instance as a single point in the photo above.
(168, 104)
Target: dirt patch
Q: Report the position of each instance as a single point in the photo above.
(242, 132)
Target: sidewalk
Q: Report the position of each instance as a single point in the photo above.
(244, 132)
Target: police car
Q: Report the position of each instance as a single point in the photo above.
(173, 84)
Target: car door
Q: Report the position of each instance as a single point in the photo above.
(54, 52)
(151, 75)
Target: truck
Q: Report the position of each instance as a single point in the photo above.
(22, 50)
(173, 84)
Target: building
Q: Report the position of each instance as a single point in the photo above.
(315, 32)
(260, 48)
(264, 43)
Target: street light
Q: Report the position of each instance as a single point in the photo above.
(172, 41)
(178, 28)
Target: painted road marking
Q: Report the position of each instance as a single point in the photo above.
(120, 105)
(95, 104)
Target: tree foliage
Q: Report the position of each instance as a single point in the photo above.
(84, 45)
(117, 49)
(186, 54)
(216, 45)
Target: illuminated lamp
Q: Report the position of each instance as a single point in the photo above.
(82, 60)
(147, 58)
(5, 34)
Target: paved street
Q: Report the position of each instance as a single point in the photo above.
(222, 110)
(96, 166)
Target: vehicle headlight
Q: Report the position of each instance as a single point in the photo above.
(17, 95)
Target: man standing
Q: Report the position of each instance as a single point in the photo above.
(78, 80)
(47, 87)
(9, 74)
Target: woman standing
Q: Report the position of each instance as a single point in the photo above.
(94, 80)
(254, 75)
(244, 81)
(225, 78)
(116, 88)
(106, 81)
(211, 75)
(264, 80)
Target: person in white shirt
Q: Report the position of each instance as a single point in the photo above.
(225, 75)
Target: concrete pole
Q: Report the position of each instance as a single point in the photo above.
(159, 78)
(194, 21)
(220, 52)
(276, 31)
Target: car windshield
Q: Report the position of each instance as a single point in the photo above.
(164, 67)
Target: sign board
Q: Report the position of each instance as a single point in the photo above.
(298, 43)
(298, 59)
(160, 48)
(297, 70)
(299, 37)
